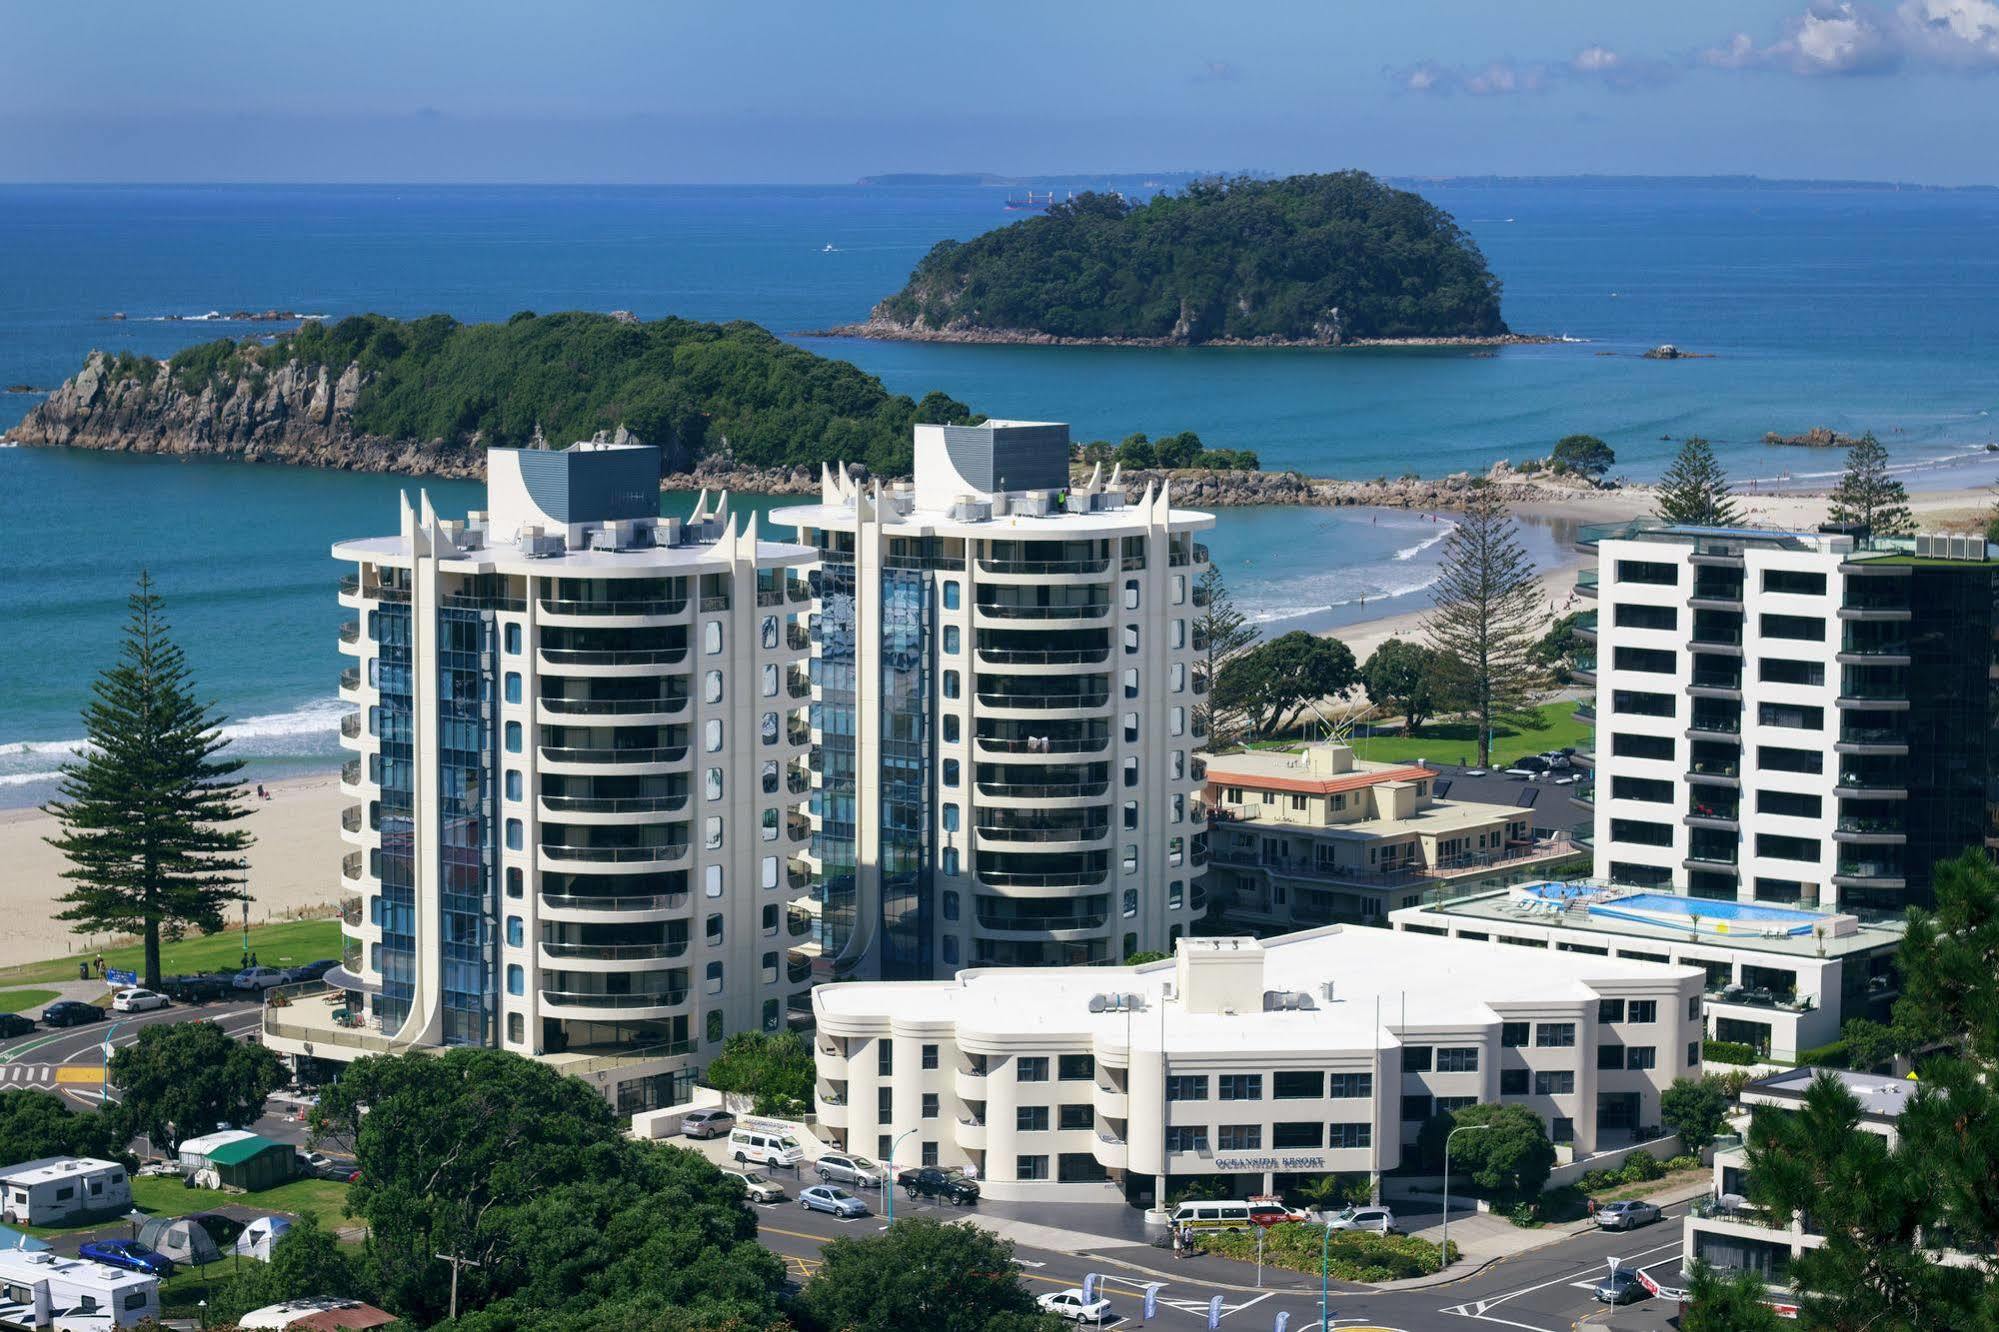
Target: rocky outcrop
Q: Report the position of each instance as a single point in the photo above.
(1818, 437)
(1198, 489)
(295, 413)
(1325, 334)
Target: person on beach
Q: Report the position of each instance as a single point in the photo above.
(100, 964)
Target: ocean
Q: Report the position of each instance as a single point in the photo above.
(1851, 308)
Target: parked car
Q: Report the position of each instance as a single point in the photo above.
(831, 1198)
(847, 1168)
(13, 1024)
(759, 1189)
(199, 988)
(130, 1255)
(1380, 1220)
(936, 1182)
(1071, 1305)
(1273, 1214)
(1528, 768)
(712, 1123)
(1625, 1215)
(311, 971)
(137, 1001)
(780, 1149)
(71, 1013)
(1620, 1287)
(258, 978)
(318, 1165)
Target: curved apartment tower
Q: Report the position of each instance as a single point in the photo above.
(1006, 675)
(578, 780)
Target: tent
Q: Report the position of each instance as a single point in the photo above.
(180, 1239)
(252, 1163)
(194, 1153)
(258, 1238)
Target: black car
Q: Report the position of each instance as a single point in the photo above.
(70, 1013)
(199, 988)
(313, 971)
(13, 1024)
(934, 1182)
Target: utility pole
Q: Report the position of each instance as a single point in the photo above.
(456, 1263)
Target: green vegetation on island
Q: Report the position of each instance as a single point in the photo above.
(697, 390)
(1319, 259)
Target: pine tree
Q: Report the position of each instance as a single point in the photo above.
(1227, 633)
(144, 810)
(1694, 491)
(1868, 496)
(1484, 615)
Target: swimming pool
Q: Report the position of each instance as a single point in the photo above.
(1704, 915)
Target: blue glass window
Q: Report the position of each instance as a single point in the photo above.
(950, 594)
(516, 979)
(514, 932)
(513, 737)
(514, 785)
(513, 638)
(951, 639)
(513, 834)
(513, 686)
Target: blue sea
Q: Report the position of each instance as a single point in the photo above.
(1851, 308)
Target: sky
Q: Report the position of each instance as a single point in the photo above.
(612, 91)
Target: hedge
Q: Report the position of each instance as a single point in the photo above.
(1833, 1054)
(1355, 1255)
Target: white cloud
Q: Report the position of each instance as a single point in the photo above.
(1956, 32)
(1594, 60)
(1740, 53)
(1840, 40)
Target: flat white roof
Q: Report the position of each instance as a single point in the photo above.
(1004, 527)
(31, 1265)
(644, 562)
(1879, 1095)
(55, 1167)
(1419, 980)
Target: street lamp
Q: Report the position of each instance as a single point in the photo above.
(888, 1177)
(1444, 1257)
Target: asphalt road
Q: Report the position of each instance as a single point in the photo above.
(70, 1060)
(1544, 1291)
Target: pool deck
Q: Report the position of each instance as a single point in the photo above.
(1497, 908)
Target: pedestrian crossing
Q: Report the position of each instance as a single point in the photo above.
(25, 1074)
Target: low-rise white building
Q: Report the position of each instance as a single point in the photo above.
(55, 1189)
(40, 1289)
(1260, 1061)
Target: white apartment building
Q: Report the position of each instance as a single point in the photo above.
(1788, 717)
(579, 772)
(1262, 1062)
(1004, 719)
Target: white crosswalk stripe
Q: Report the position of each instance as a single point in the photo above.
(21, 1073)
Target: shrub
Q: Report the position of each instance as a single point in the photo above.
(1833, 1054)
(1354, 1255)
(1727, 1052)
(1683, 1161)
(1642, 1167)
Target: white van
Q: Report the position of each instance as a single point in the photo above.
(765, 1148)
(1213, 1215)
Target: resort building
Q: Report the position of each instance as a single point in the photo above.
(1257, 1064)
(1789, 717)
(1732, 1234)
(1309, 838)
(1778, 979)
(578, 781)
(1005, 716)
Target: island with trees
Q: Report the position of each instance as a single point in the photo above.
(1317, 260)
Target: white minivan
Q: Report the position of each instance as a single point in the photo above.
(747, 1145)
(1213, 1215)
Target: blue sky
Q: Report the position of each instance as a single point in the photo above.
(778, 90)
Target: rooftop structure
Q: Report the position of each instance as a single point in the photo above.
(1312, 1052)
(40, 1289)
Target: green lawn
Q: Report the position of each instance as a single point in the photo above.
(14, 1001)
(284, 943)
(323, 1198)
(1554, 726)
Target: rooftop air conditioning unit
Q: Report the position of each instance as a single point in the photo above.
(537, 544)
(1035, 503)
(902, 499)
(971, 509)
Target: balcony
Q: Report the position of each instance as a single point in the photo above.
(1043, 790)
(1038, 746)
(577, 904)
(1045, 568)
(1716, 769)
(1860, 828)
(999, 919)
(1072, 878)
(559, 805)
(1872, 740)
(1751, 996)
(717, 602)
(350, 726)
(1873, 650)
(589, 1003)
(614, 758)
(1005, 611)
(1716, 684)
(798, 923)
(1037, 657)
(613, 707)
(971, 1083)
(1710, 637)
(659, 951)
(1058, 702)
(350, 773)
(797, 827)
(798, 685)
(350, 680)
(797, 637)
(350, 818)
(351, 866)
(1722, 815)
(655, 607)
(1710, 725)
(350, 632)
(971, 1132)
(1589, 584)
(561, 661)
(1886, 783)
(625, 858)
(353, 910)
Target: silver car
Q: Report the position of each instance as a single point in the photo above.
(1380, 1220)
(828, 1198)
(1625, 1215)
(848, 1168)
(711, 1123)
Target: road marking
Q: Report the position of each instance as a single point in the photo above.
(71, 1075)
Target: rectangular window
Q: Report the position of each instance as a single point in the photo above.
(1031, 1068)
(1636, 703)
(1610, 1010)
(1648, 572)
(1641, 832)
(1297, 1134)
(1513, 1035)
(930, 1105)
(1415, 1108)
(1633, 616)
(1790, 716)
(1643, 746)
(1349, 1136)
(1512, 1082)
(1306, 1086)
(1239, 1138)
(1641, 1056)
(1799, 628)
(1351, 1087)
(1794, 582)
(1187, 1138)
(1782, 670)
(1031, 1118)
(1451, 1104)
(1789, 804)
(930, 1056)
(1559, 1083)
(1776, 847)
(1241, 1086)
(1077, 1117)
(1555, 1034)
(1693, 1053)
(1641, 788)
(1642, 1011)
(1610, 1056)
(1028, 1167)
(884, 1057)
(1561, 1130)
(1457, 1059)
(1187, 1087)
(1416, 1058)
(1076, 1067)
(885, 1104)
(1654, 661)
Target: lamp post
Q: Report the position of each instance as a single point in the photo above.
(888, 1177)
(1444, 1254)
(1325, 1262)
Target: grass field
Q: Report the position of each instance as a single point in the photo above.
(1553, 726)
(285, 943)
(15, 1001)
(322, 1198)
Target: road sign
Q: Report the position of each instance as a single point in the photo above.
(1645, 1280)
(116, 977)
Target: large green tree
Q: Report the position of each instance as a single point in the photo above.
(1221, 633)
(145, 811)
(921, 1274)
(1483, 617)
(179, 1080)
(307, 1260)
(37, 1123)
(1729, 1304)
(1585, 455)
(1694, 491)
(774, 1069)
(1696, 1109)
(1404, 678)
(505, 1162)
(1868, 495)
(1272, 680)
(1508, 1158)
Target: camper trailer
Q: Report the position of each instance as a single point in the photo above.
(38, 1289)
(57, 1189)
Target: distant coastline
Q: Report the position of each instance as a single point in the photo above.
(888, 330)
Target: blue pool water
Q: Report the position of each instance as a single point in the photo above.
(1710, 909)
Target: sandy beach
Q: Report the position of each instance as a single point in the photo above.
(294, 868)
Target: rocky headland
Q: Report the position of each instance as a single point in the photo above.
(886, 328)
